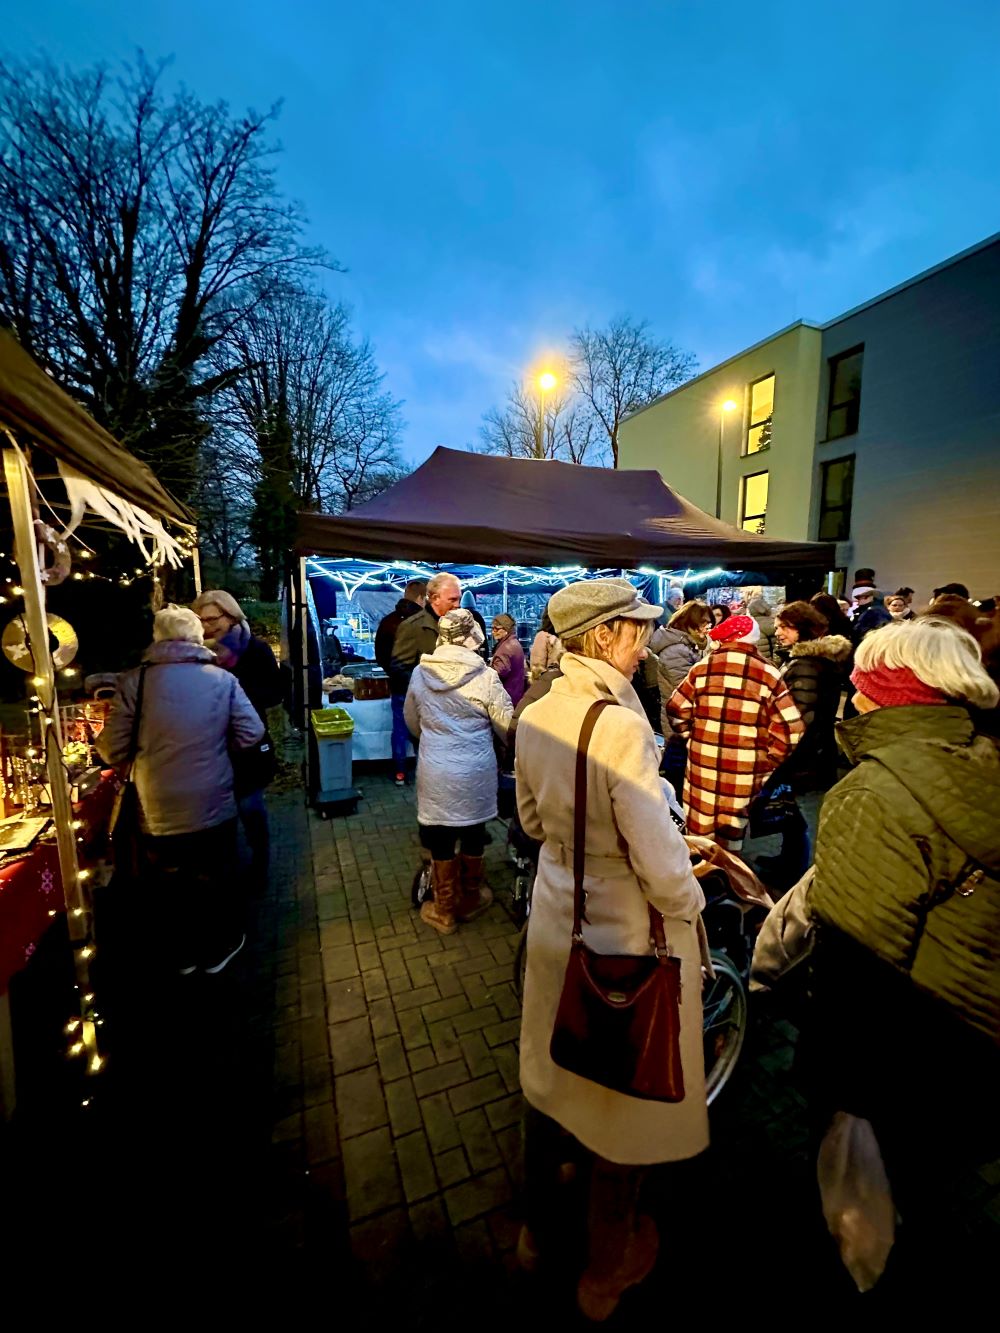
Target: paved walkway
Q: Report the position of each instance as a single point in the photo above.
(342, 1106)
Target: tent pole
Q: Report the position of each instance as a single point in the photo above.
(78, 907)
(505, 590)
(303, 609)
(196, 566)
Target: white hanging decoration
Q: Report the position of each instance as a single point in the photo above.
(138, 525)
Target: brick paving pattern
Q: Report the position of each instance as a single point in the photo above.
(396, 1140)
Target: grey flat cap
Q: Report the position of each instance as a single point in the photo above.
(582, 606)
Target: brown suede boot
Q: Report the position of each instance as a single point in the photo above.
(439, 911)
(475, 895)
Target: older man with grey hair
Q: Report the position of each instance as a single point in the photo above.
(418, 635)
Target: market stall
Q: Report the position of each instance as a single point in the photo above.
(51, 783)
(503, 522)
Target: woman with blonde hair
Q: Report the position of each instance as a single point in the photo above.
(635, 858)
(253, 664)
(905, 903)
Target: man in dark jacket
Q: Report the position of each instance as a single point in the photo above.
(868, 614)
(413, 599)
(416, 635)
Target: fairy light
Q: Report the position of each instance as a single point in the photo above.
(72, 1026)
(76, 1048)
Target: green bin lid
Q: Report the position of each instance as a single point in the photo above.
(332, 723)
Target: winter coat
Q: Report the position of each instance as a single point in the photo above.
(872, 617)
(546, 650)
(508, 663)
(675, 653)
(385, 635)
(742, 723)
(813, 673)
(898, 840)
(453, 706)
(635, 856)
(258, 673)
(193, 713)
(415, 636)
(764, 616)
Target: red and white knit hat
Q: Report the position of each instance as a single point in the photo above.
(736, 629)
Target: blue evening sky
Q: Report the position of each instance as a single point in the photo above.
(494, 173)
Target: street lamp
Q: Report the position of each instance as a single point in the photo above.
(546, 383)
(727, 406)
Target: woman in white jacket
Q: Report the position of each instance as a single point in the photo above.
(635, 856)
(454, 704)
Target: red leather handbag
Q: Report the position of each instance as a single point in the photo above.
(618, 1022)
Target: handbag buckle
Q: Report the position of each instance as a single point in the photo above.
(969, 885)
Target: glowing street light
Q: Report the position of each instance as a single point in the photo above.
(727, 405)
(547, 382)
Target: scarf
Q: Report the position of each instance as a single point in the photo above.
(231, 646)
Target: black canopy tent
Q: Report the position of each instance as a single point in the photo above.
(34, 410)
(460, 508)
(473, 508)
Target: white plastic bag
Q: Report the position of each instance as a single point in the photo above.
(857, 1199)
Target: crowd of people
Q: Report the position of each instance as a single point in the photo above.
(753, 703)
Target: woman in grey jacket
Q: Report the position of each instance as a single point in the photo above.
(193, 714)
(677, 645)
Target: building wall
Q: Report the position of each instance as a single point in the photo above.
(679, 435)
(926, 504)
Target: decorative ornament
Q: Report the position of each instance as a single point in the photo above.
(47, 884)
(58, 571)
(17, 648)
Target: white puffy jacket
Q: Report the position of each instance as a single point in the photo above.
(454, 704)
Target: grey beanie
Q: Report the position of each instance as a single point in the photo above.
(582, 606)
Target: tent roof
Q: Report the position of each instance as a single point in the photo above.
(461, 507)
(33, 406)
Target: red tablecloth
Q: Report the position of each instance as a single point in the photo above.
(31, 888)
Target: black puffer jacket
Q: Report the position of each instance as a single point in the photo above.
(813, 672)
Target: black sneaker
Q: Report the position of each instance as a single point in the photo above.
(228, 958)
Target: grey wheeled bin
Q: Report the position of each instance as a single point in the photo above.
(334, 731)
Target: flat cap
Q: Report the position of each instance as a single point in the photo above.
(582, 606)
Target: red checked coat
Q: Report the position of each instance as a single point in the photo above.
(742, 722)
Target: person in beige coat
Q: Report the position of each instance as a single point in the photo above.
(635, 855)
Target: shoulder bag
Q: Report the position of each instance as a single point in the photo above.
(126, 813)
(618, 1022)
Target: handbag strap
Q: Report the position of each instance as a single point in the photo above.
(133, 745)
(657, 935)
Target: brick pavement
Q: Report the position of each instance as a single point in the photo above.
(395, 1151)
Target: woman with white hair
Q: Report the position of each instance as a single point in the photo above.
(190, 716)
(903, 1020)
(252, 662)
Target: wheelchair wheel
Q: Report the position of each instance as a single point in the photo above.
(422, 883)
(521, 962)
(724, 1024)
(520, 897)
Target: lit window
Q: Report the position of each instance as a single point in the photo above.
(836, 494)
(761, 415)
(753, 510)
(844, 407)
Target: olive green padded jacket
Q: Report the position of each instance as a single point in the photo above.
(908, 853)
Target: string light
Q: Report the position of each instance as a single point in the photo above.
(71, 1026)
(76, 1048)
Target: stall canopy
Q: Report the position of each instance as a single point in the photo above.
(461, 507)
(33, 407)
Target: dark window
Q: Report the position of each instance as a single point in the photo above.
(753, 515)
(835, 500)
(761, 415)
(845, 394)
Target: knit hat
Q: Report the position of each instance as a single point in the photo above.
(889, 686)
(459, 627)
(582, 606)
(736, 629)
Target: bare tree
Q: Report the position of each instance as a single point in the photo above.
(318, 429)
(136, 231)
(530, 425)
(618, 369)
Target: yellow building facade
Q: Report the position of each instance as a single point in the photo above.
(739, 440)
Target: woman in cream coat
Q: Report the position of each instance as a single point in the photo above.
(635, 856)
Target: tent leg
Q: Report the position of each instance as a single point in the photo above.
(78, 907)
(196, 567)
(505, 592)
